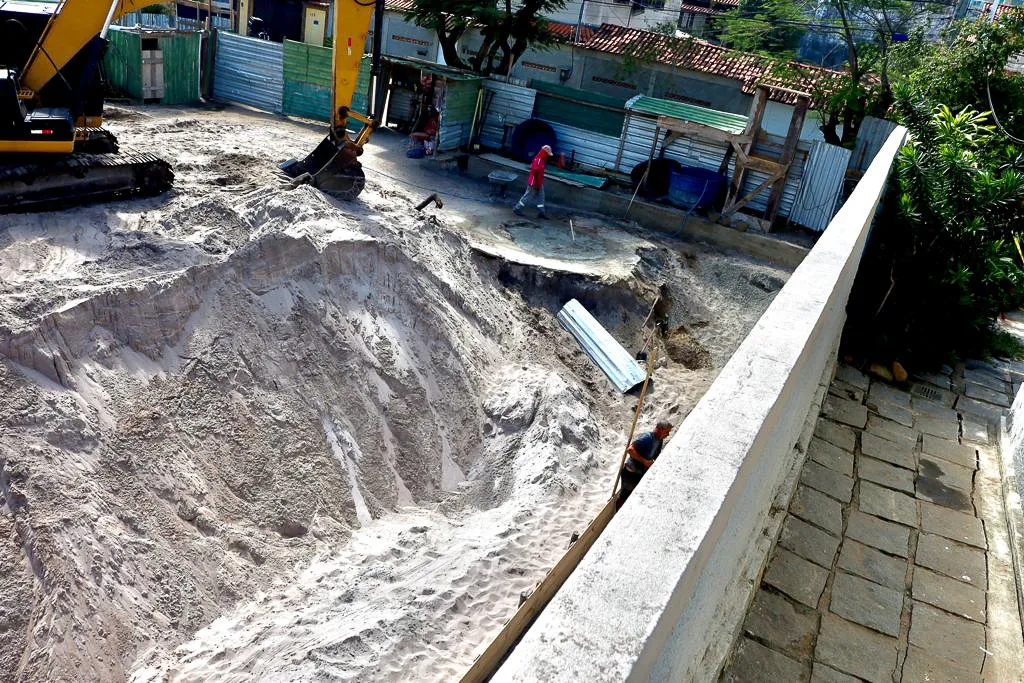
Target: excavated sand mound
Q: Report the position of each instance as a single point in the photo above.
(258, 434)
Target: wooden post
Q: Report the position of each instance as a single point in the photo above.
(754, 118)
(796, 126)
(622, 137)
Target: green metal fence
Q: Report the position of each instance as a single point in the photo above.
(590, 111)
(307, 81)
(122, 63)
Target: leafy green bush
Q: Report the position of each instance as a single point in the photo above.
(942, 263)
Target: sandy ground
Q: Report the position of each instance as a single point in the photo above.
(248, 432)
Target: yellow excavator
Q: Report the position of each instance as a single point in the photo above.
(334, 165)
(53, 150)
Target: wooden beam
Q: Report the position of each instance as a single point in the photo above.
(699, 130)
(757, 109)
(796, 126)
(489, 661)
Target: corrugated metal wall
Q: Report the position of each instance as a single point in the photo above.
(639, 132)
(181, 67)
(818, 198)
(511, 104)
(152, 20)
(250, 71)
(592, 149)
(457, 118)
(307, 80)
(122, 64)
(872, 135)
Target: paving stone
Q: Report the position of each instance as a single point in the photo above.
(856, 650)
(826, 480)
(887, 504)
(920, 666)
(982, 393)
(950, 450)
(948, 473)
(961, 562)
(895, 413)
(873, 565)
(826, 674)
(990, 378)
(867, 603)
(883, 393)
(878, 533)
(901, 454)
(808, 541)
(847, 412)
(973, 430)
(853, 376)
(835, 434)
(946, 429)
(958, 526)
(831, 456)
(932, 409)
(980, 409)
(935, 491)
(798, 578)
(885, 474)
(817, 508)
(935, 379)
(755, 662)
(946, 636)
(949, 594)
(891, 431)
(782, 624)
(848, 391)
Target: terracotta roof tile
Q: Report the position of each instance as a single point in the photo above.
(698, 55)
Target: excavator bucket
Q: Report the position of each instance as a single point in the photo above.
(330, 168)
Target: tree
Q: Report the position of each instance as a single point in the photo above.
(506, 31)
(943, 260)
(867, 29)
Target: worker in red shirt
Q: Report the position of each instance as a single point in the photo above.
(535, 183)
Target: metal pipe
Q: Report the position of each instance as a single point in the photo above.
(432, 198)
(378, 38)
(109, 19)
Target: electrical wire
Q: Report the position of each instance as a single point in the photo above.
(995, 116)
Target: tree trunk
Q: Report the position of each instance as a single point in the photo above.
(449, 45)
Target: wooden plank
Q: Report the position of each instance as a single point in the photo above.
(489, 661)
(757, 109)
(699, 130)
(765, 165)
(796, 126)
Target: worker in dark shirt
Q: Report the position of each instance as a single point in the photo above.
(535, 183)
(644, 450)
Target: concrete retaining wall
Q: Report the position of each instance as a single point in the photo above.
(661, 594)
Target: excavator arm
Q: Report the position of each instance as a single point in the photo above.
(71, 28)
(333, 166)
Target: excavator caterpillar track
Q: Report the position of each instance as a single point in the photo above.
(35, 184)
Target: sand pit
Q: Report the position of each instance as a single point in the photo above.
(250, 432)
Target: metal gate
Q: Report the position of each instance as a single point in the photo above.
(250, 71)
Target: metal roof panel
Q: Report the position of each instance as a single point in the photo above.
(609, 355)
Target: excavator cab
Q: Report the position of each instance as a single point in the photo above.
(52, 149)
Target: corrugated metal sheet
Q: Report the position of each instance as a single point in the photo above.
(307, 80)
(511, 104)
(609, 355)
(250, 71)
(122, 64)
(722, 120)
(823, 177)
(457, 116)
(639, 132)
(872, 135)
(592, 149)
(181, 67)
(146, 19)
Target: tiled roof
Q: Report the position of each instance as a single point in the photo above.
(567, 32)
(698, 55)
(1004, 8)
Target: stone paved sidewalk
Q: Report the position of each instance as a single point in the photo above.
(893, 561)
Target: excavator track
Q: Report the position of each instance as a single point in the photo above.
(39, 184)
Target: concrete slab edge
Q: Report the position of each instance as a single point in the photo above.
(1012, 505)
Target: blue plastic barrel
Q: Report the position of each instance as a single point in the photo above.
(695, 188)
